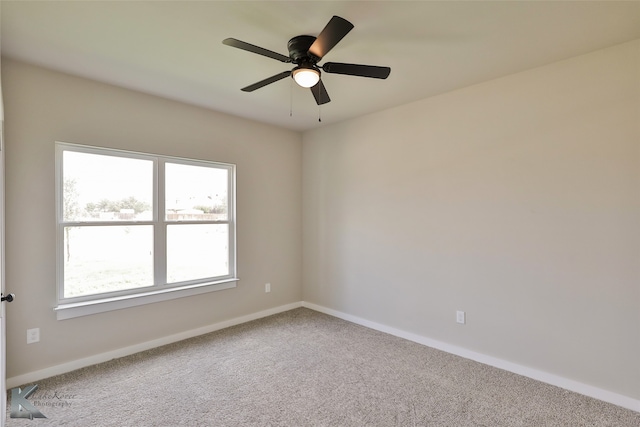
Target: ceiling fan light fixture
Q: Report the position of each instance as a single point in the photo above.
(305, 76)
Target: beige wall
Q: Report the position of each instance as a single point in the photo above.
(41, 107)
(516, 200)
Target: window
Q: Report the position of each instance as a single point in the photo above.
(134, 225)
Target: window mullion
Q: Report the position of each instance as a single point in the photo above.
(160, 227)
(231, 215)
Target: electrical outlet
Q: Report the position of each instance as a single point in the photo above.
(461, 317)
(33, 335)
(267, 287)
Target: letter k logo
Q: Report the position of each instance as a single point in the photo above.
(21, 407)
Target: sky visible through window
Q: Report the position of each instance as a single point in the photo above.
(98, 177)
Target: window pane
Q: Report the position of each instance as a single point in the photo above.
(106, 188)
(197, 251)
(107, 259)
(195, 193)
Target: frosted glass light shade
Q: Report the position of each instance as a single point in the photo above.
(306, 77)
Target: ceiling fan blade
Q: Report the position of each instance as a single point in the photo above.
(334, 31)
(267, 81)
(255, 49)
(320, 93)
(357, 70)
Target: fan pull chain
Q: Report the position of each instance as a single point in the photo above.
(291, 98)
(319, 105)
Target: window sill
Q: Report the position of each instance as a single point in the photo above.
(69, 311)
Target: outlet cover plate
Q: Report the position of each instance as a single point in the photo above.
(33, 335)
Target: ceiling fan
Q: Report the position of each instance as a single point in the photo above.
(306, 52)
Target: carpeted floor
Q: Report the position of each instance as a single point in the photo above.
(303, 368)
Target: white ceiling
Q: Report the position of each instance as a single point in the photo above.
(174, 48)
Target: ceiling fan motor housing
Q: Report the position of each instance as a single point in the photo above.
(299, 50)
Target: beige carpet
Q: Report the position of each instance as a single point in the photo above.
(303, 368)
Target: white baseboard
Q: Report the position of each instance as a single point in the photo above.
(35, 376)
(565, 383)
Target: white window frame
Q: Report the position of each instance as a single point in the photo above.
(160, 291)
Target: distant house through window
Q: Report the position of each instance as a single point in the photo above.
(132, 224)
